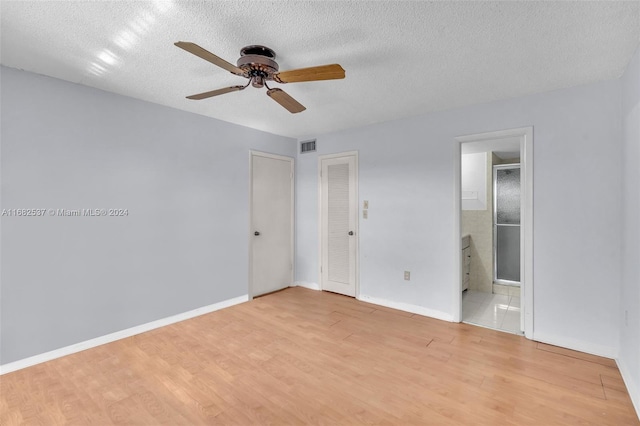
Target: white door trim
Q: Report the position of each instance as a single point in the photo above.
(526, 208)
(252, 154)
(357, 224)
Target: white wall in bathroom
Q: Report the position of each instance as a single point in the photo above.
(474, 181)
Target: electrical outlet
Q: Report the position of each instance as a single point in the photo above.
(365, 214)
(365, 204)
(407, 275)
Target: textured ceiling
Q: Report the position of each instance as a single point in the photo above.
(401, 58)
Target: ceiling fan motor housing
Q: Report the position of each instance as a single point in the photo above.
(259, 64)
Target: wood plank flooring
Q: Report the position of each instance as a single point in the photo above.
(306, 357)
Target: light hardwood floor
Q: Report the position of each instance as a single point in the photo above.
(306, 357)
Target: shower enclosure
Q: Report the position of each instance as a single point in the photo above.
(506, 224)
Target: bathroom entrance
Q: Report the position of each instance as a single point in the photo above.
(495, 212)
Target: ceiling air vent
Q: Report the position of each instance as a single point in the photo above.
(307, 146)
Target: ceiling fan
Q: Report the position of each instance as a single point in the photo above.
(257, 63)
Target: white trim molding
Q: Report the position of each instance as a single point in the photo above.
(577, 345)
(122, 334)
(408, 307)
(634, 392)
(305, 284)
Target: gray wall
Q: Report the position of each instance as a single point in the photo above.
(183, 177)
(406, 174)
(630, 338)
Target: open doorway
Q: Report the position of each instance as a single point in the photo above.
(494, 211)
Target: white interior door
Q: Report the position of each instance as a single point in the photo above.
(271, 223)
(339, 222)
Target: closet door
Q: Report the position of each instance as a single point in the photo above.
(339, 211)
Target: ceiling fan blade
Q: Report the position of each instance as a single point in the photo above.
(208, 56)
(216, 92)
(322, 72)
(281, 97)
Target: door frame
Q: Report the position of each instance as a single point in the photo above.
(525, 134)
(357, 223)
(252, 154)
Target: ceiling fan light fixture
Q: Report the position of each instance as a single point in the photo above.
(257, 82)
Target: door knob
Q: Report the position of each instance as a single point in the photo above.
(350, 232)
(256, 233)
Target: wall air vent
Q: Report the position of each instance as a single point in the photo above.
(307, 146)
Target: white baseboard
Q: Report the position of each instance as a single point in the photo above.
(92, 343)
(632, 387)
(576, 345)
(312, 286)
(407, 307)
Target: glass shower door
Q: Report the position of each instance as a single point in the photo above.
(506, 221)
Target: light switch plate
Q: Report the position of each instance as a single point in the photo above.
(366, 204)
(407, 275)
(365, 214)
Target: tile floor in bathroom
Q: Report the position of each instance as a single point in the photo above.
(497, 311)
